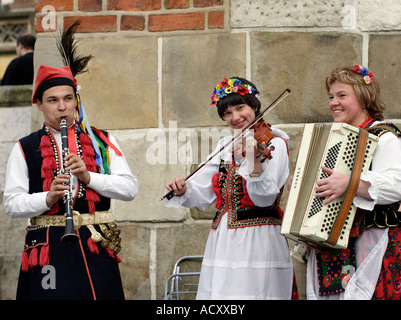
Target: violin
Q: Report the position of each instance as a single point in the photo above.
(263, 136)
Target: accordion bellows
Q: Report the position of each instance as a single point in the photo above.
(306, 219)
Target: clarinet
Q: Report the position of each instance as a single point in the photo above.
(70, 234)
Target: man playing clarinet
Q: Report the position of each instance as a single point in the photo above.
(36, 186)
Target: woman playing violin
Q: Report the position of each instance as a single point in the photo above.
(245, 257)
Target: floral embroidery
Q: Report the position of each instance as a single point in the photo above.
(229, 188)
(388, 286)
(327, 281)
(397, 285)
(232, 197)
(334, 266)
(344, 254)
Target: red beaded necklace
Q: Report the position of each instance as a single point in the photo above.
(366, 122)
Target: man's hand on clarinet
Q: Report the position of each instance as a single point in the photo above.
(77, 167)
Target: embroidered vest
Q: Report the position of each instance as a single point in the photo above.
(381, 216)
(232, 197)
(31, 147)
(382, 128)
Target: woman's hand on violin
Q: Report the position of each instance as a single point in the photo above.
(177, 185)
(252, 154)
(237, 149)
(333, 186)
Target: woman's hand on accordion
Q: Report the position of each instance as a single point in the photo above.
(333, 186)
(337, 184)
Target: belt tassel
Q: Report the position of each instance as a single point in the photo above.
(30, 256)
(25, 261)
(93, 247)
(114, 255)
(44, 258)
(33, 257)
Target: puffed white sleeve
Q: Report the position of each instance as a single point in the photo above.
(385, 174)
(120, 184)
(18, 203)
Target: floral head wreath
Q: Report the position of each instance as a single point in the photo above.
(228, 86)
(367, 76)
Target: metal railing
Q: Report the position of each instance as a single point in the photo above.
(180, 283)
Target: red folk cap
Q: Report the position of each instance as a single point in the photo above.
(46, 73)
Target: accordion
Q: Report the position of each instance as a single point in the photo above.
(306, 219)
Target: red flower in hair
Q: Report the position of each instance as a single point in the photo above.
(242, 91)
(356, 68)
(223, 83)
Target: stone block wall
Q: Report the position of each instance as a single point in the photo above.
(155, 64)
(15, 122)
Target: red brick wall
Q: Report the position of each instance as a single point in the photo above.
(133, 15)
(21, 4)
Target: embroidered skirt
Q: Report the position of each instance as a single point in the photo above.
(370, 249)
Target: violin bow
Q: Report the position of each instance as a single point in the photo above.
(280, 98)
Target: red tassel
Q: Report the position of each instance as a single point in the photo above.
(88, 153)
(93, 247)
(86, 145)
(25, 261)
(113, 255)
(49, 163)
(48, 166)
(46, 147)
(91, 207)
(91, 197)
(44, 257)
(47, 171)
(33, 257)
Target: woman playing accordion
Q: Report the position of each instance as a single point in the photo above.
(369, 268)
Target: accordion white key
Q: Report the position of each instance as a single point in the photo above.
(306, 219)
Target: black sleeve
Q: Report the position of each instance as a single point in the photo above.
(19, 71)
